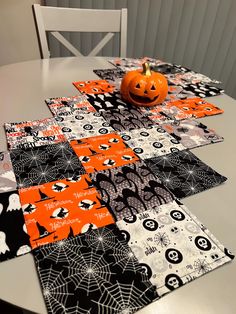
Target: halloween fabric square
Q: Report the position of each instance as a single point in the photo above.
(92, 273)
(191, 133)
(190, 77)
(147, 143)
(203, 90)
(177, 92)
(130, 189)
(84, 124)
(7, 176)
(169, 68)
(61, 209)
(103, 152)
(126, 119)
(113, 76)
(33, 133)
(107, 101)
(14, 240)
(94, 87)
(130, 64)
(63, 106)
(35, 166)
(172, 246)
(195, 107)
(184, 174)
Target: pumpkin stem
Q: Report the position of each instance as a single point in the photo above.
(146, 69)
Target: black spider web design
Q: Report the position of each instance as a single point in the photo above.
(76, 310)
(101, 239)
(89, 271)
(122, 299)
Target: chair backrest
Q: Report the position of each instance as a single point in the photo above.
(53, 19)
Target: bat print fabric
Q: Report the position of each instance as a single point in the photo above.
(33, 133)
(7, 176)
(84, 124)
(35, 166)
(155, 141)
(94, 87)
(172, 246)
(14, 240)
(191, 133)
(56, 210)
(103, 152)
(130, 189)
(93, 273)
(184, 174)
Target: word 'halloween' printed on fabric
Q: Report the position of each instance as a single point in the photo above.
(60, 209)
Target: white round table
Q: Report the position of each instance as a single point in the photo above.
(23, 88)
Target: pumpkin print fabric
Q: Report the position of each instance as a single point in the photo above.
(7, 176)
(185, 248)
(84, 124)
(195, 107)
(14, 240)
(103, 152)
(191, 133)
(94, 87)
(130, 189)
(63, 208)
(155, 141)
(35, 166)
(184, 174)
(92, 273)
(33, 133)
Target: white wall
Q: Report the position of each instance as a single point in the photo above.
(18, 38)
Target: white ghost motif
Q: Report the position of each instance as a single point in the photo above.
(1, 208)
(3, 246)
(23, 250)
(14, 202)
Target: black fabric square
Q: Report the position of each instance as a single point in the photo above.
(203, 90)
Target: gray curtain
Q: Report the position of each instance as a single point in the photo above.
(200, 34)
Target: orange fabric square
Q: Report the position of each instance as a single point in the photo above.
(103, 152)
(60, 209)
(94, 87)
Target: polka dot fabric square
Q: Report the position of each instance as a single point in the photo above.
(184, 174)
(155, 141)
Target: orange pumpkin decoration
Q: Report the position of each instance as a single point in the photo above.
(144, 88)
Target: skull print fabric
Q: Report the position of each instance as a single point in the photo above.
(103, 152)
(172, 246)
(7, 176)
(14, 240)
(94, 87)
(61, 209)
(191, 133)
(35, 166)
(93, 273)
(83, 125)
(184, 174)
(33, 133)
(155, 141)
(130, 189)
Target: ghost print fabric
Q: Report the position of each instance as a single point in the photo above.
(130, 189)
(60, 209)
(184, 174)
(191, 133)
(35, 166)
(126, 119)
(7, 176)
(14, 240)
(172, 246)
(84, 124)
(151, 142)
(92, 273)
(33, 133)
(203, 90)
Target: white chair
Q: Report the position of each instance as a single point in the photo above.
(53, 19)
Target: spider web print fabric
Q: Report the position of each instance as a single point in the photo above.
(191, 133)
(130, 189)
(94, 273)
(172, 246)
(184, 174)
(33, 133)
(14, 240)
(44, 164)
(7, 176)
